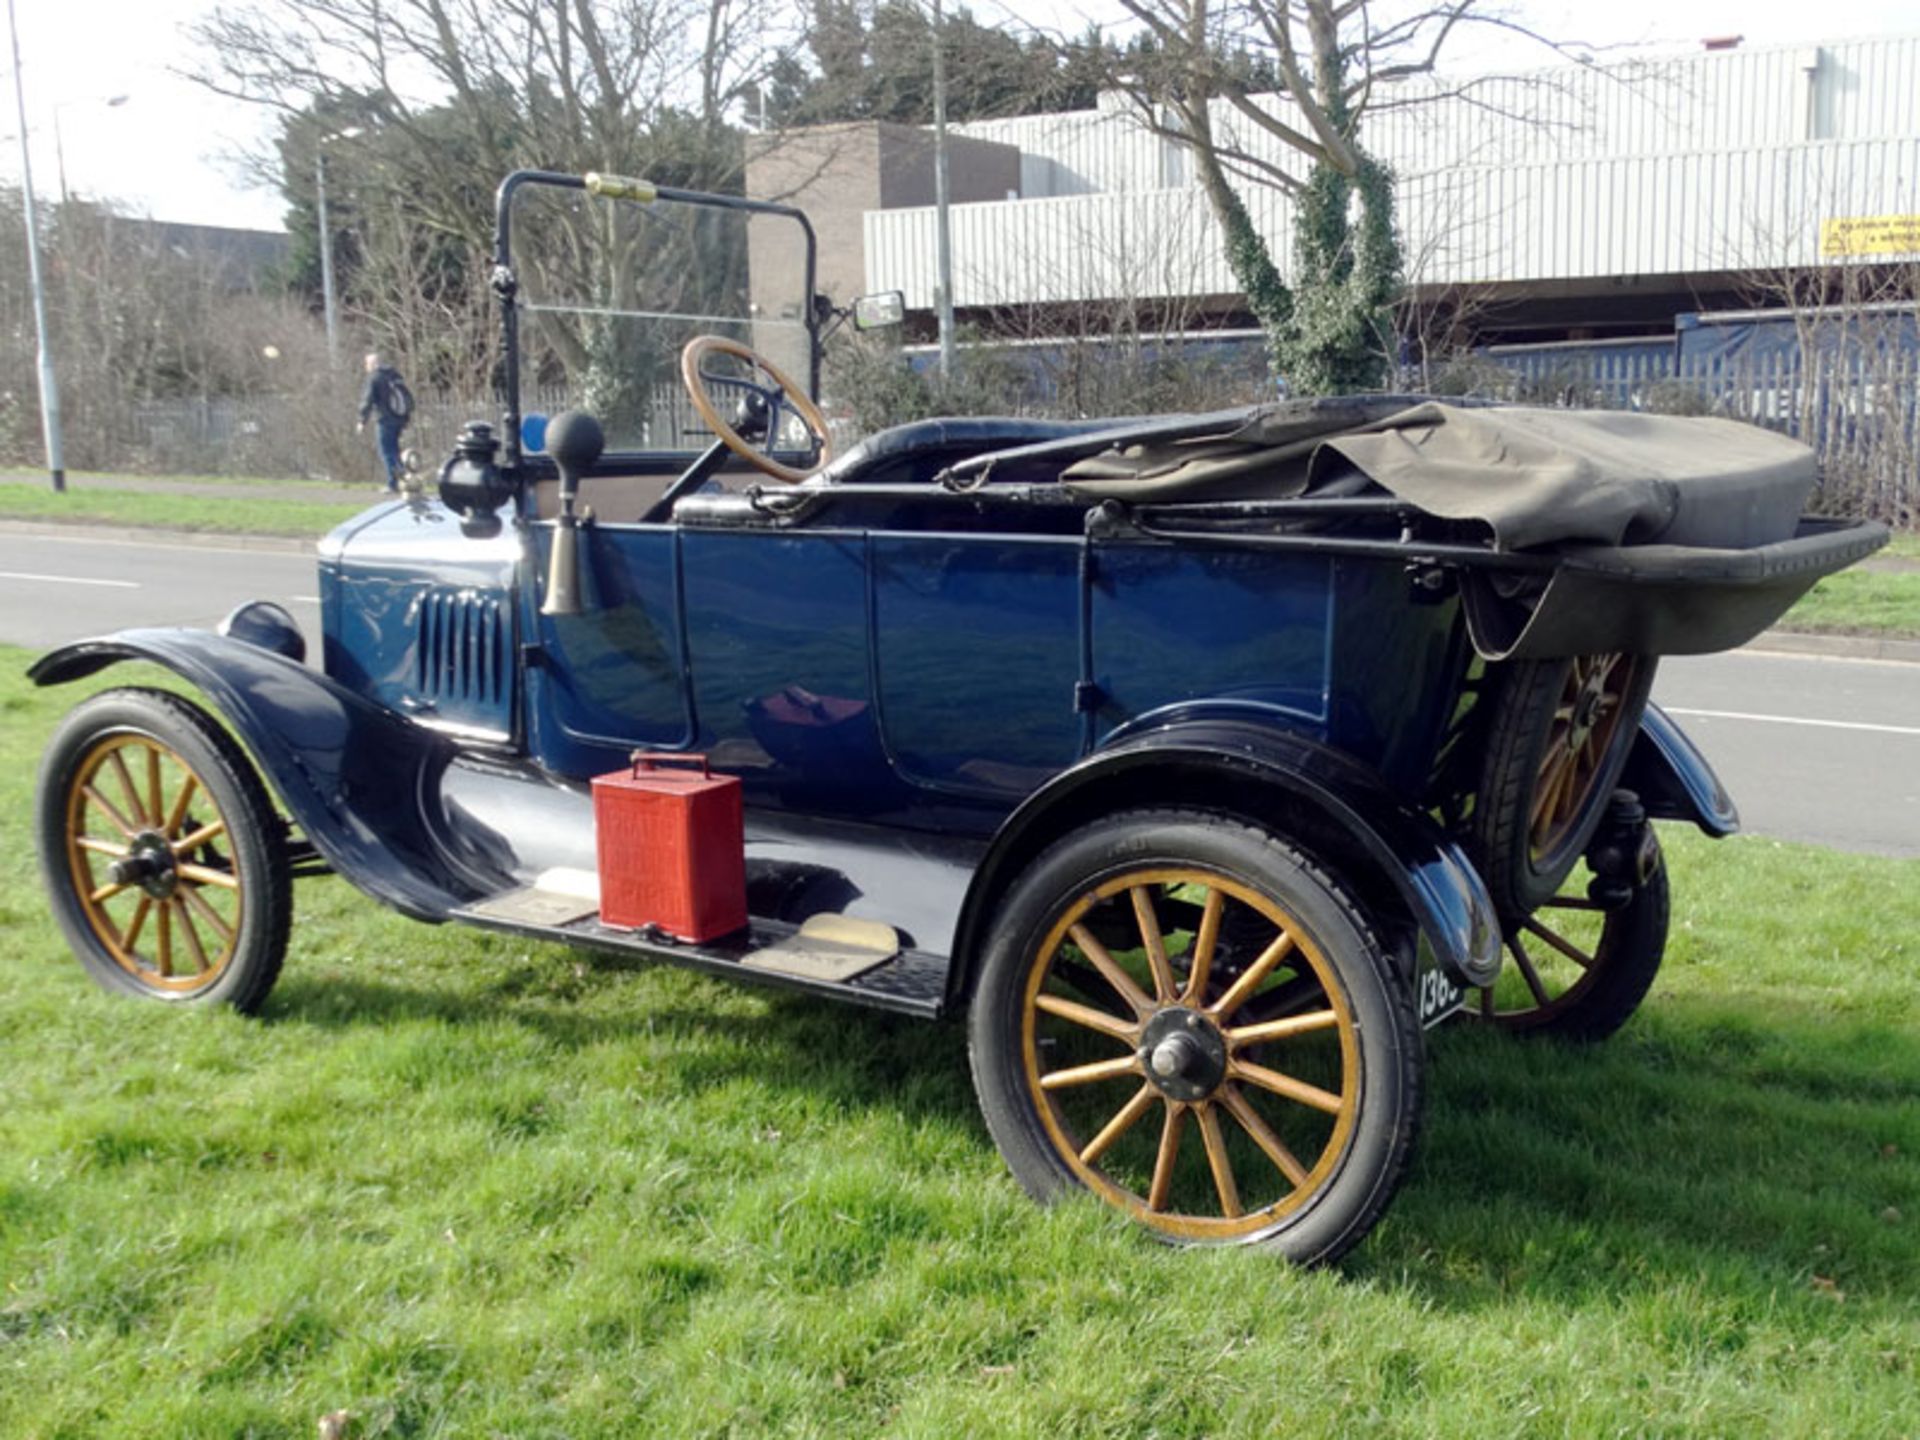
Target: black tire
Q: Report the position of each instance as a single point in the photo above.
(1588, 999)
(1526, 841)
(1359, 1037)
(204, 919)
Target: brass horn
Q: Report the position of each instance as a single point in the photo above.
(574, 440)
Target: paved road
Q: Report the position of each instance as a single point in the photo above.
(1825, 750)
(55, 588)
(1812, 749)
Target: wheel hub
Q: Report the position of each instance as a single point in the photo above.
(1586, 710)
(1184, 1052)
(148, 863)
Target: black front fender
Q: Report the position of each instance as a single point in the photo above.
(1245, 764)
(353, 776)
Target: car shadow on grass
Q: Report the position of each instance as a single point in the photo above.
(1752, 1154)
(704, 1030)
(1736, 1153)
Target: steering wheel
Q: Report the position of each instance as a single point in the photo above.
(781, 394)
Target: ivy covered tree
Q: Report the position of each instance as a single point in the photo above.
(1346, 278)
(1273, 93)
(1346, 263)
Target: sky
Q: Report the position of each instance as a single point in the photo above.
(169, 150)
(175, 151)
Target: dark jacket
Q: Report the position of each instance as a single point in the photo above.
(373, 399)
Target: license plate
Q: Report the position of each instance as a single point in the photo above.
(1434, 991)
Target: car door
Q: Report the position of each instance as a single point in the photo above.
(776, 627)
(611, 679)
(977, 648)
(843, 669)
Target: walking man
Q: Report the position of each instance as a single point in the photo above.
(388, 402)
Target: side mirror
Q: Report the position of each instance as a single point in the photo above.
(880, 312)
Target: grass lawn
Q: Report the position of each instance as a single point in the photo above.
(83, 478)
(1866, 602)
(460, 1185)
(244, 514)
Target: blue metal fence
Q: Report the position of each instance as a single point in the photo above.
(1847, 382)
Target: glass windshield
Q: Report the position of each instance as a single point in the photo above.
(610, 291)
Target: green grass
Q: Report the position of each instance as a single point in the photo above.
(85, 479)
(246, 515)
(461, 1185)
(1866, 602)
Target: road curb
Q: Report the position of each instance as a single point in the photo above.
(1844, 647)
(147, 535)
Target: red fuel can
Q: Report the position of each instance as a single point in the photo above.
(672, 847)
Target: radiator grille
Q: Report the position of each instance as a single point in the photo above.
(463, 651)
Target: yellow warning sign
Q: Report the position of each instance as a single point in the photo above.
(1871, 235)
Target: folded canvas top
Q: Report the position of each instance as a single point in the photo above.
(1534, 477)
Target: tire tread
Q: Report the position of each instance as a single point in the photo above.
(1501, 820)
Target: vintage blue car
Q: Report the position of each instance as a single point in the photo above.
(1200, 762)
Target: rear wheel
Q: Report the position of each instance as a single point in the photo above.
(162, 855)
(1560, 736)
(1192, 1021)
(1580, 968)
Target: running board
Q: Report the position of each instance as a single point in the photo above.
(911, 982)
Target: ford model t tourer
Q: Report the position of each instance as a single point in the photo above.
(1199, 762)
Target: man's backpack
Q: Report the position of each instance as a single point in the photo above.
(399, 399)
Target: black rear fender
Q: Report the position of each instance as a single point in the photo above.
(1674, 780)
(1395, 858)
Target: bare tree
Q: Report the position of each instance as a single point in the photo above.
(1297, 77)
(470, 90)
(441, 98)
(175, 353)
(1273, 93)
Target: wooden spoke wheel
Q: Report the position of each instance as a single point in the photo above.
(1578, 971)
(1188, 1019)
(1560, 736)
(162, 855)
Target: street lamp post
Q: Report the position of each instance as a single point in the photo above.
(59, 144)
(326, 255)
(327, 303)
(49, 384)
(942, 219)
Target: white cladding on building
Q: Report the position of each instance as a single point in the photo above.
(1716, 163)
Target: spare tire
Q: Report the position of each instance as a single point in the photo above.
(1559, 736)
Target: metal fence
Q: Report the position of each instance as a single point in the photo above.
(312, 437)
(1847, 385)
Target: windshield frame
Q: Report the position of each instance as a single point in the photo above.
(506, 282)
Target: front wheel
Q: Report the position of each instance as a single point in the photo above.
(162, 855)
(1191, 1020)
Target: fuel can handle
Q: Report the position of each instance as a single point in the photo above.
(643, 760)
